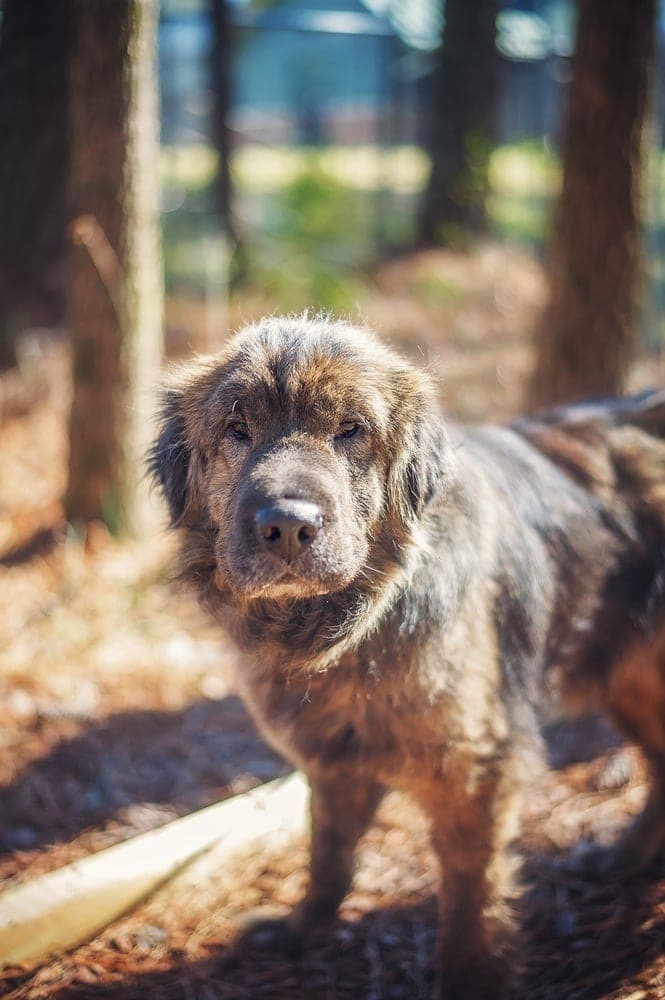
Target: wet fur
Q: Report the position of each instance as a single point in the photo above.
(462, 573)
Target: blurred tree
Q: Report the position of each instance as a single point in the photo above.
(34, 41)
(587, 335)
(115, 284)
(466, 88)
(221, 81)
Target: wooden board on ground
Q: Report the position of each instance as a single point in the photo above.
(57, 911)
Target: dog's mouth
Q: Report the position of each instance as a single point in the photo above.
(293, 587)
(287, 582)
(287, 585)
(288, 578)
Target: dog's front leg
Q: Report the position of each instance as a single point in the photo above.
(474, 823)
(342, 805)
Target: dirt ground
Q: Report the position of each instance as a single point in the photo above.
(118, 714)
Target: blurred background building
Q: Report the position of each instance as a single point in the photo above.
(334, 71)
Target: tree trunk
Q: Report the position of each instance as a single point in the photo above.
(463, 122)
(34, 42)
(588, 331)
(115, 288)
(221, 85)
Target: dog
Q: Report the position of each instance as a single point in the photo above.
(405, 593)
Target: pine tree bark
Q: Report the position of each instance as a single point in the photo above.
(588, 335)
(115, 286)
(34, 44)
(466, 89)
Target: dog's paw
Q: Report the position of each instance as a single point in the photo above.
(309, 921)
(271, 933)
(486, 980)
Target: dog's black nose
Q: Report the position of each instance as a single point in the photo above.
(288, 526)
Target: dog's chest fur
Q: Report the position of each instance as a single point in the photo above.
(358, 721)
(408, 702)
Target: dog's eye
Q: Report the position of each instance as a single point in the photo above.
(240, 430)
(347, 429)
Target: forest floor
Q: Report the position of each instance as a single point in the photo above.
(118, 714)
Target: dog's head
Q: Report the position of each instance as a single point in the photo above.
(307, 450)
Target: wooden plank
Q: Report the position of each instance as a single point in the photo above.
(57, 911)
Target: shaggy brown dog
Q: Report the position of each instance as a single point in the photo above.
(404, 592)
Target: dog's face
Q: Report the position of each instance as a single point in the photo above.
(307, 449)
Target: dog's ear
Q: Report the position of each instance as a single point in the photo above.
(419, 470)
(421, 459)
(427, 466)
(170, 459)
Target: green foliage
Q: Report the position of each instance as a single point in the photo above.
(520, 220)
(524, 180)
(311, 243)
(316, 208)
(301, 283)
(525, 168)
(315, 220)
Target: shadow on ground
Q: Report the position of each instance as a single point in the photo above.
(388, 954)
(132, 762)
(135, 762)
(588, 941)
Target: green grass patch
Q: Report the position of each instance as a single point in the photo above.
(520, 220)
(315, 219)
(524, 181)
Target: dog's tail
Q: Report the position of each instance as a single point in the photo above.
(612, 447)
(645, 409)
